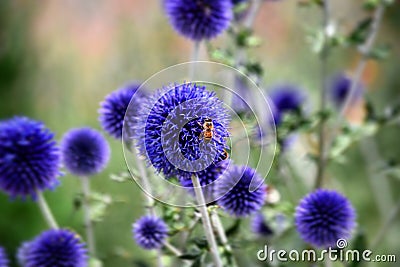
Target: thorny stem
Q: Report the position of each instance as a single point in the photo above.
(88, 219)
(323, 101)
(386, 225)
(206, 221)
(222, 236)
(46, 212)
(365, 50)
(149, 199)
(194, 59)
(255, 7)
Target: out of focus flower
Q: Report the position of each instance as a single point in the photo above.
(170, 129)
(85, 151)
(150, 232)
(56, 248)
(3, 258)
(287, 98)
(22, 253)
(114, 107)
(29, 157)
(324, 216)
(339, 89)
(233, 191)
(201, 19)
(259, 225)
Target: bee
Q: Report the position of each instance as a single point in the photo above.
(225, 155)
(208, 130)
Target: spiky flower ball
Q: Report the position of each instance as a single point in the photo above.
(114, 106)
(287, 98)
(233, 191)
(3, 258)
(324, 216)
(260, 226)
(207, 179)
(22, 253)
(85, 151)
(150, 232)
(29, 157)
(201, 19)
(171, 129)
(56, 248)
(339, 89)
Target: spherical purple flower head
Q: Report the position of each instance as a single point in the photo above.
(201, 19)
(114, 106)
(233, 191)
(150, 232)
(170, 129)
(324, 216)
(259, 225)
(22, 253)
(207, 179)
(29, 157)
(287, 98)
(3, 258)
(56, 248)
(84, 151)
(339, 89)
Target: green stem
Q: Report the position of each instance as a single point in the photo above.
(386, 226)
(88, 219)
(46, 212)
(323, 101)
(194, 59)
(222, 236)
(206, 221)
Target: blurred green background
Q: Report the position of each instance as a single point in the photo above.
(58, 59)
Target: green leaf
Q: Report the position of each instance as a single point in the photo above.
(98, 205)
(192, 255)
(121, 177)
(371, 4)
(93, 262)
(380, 52)
(200, 242)
(360, 33)
(234, 229)
(316, 38)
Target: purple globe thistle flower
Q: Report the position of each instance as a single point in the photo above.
(150, 232)
(234, 187)
(287, 98)
(29, 157)
(238, 1)
(22, 253)
(3, 258)
(324, 216)
(207, 179)
(259, 225)
(114, 106)
(84, 151)
(56, 248)
(170, 129)
(198, 20)
(339, 89)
